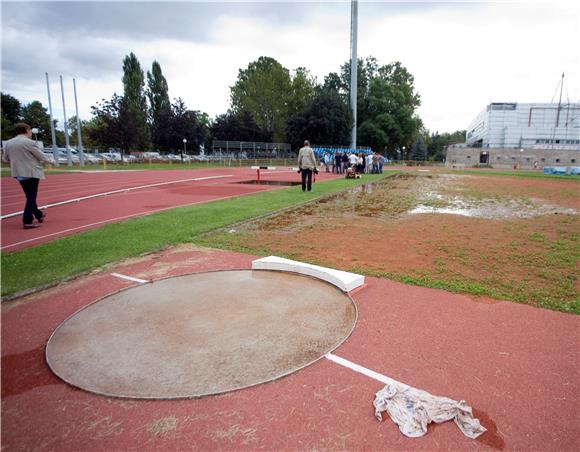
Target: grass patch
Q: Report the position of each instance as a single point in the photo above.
(70, 256)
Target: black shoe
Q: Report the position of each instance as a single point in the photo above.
(30, 225)
(42, 218)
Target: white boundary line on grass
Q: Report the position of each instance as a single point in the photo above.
(121, 190)
(130, 278)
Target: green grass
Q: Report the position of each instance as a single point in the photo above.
(55, 261)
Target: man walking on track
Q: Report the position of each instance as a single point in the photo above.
(26, 159)
(307, 164)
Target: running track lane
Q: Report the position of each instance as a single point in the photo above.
(92, 213)
(517, 366)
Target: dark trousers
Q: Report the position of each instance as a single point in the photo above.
(306, 179)
(30, 187)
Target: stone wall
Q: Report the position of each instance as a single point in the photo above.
(508, 158)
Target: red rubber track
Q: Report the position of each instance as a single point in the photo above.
(91, 213)
(517, 366)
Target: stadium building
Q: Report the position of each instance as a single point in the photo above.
(522, 135)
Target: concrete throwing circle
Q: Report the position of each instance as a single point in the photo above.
(200, 334)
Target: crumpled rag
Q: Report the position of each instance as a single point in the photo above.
(412, 410)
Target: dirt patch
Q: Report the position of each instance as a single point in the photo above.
(501, 237)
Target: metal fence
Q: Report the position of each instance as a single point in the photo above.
(251, 150)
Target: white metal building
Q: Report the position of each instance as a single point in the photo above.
(530, 126)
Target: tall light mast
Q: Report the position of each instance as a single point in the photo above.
(353, 68)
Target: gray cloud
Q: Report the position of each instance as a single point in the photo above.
(190, 21)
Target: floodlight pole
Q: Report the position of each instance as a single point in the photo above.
(66, 140)
(52, 131)
(79, 139)
(353, 68)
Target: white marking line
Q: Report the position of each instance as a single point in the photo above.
(363, 370)
(130, 278)
(69, 201)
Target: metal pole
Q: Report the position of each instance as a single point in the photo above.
(52, 131)
(353, 69)
(560, 101)
(66, 140)
(79, 139)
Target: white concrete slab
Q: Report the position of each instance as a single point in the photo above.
(345, 281)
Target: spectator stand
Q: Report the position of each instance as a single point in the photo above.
(321, 150)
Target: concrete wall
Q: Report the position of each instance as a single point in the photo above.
(507, 158)
(515, 125)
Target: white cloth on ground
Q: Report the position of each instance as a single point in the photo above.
(412, 410)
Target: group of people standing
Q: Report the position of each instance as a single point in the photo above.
(361, 164)
(338, 163)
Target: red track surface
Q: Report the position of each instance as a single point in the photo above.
(88, 214)
(517, 366)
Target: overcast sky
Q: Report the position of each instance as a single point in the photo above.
(463, 55)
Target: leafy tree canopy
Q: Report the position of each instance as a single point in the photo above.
(325, 120)
(238, 127)
(263, 89)
(133, 112)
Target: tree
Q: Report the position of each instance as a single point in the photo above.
(387, 104)
(265, 90)
(303, 87)
(238, 127)
(10, 115)
(188, 124)
(133, 112)
(437, 143)
(86, 133)
(36, 116)
(419, 149)
(159, 103)
(106, 129)
(325, 120)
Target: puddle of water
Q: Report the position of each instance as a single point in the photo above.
(364, 188)
(268, 182)
(512, 210)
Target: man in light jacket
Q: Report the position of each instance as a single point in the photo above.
(307, 164)
(26, 159)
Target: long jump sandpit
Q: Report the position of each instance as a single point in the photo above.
(200, 334)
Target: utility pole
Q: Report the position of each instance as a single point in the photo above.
(66, 140)
(353, 68)
(52, 131)
(79, 139)
(560, 101)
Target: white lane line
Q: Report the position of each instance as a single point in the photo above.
(130, 278)
(69, 201)
(363, 370)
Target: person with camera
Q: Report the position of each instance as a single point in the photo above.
(307, 165)
(26, 159)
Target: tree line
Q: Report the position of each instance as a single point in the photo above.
(268, 103)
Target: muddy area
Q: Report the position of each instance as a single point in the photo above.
(503, 237)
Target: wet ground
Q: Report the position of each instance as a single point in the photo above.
(504, 237)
